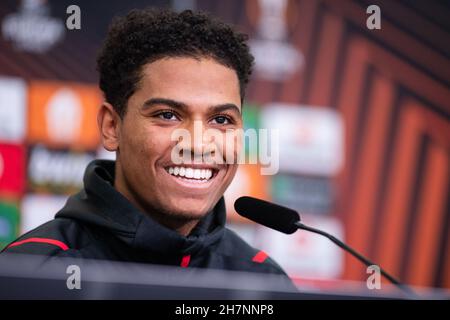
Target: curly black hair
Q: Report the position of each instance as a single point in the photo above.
(146, 35)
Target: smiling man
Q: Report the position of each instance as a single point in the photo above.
(161, 73)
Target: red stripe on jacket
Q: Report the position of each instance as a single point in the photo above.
(54, 242)
(260, 257)
(185, 261)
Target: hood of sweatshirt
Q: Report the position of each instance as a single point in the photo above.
(101, 205)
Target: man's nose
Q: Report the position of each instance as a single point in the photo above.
(199, 145)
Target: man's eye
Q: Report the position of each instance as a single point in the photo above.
(221, 120)
(167, 115)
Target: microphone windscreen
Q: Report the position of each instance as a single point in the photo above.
(268, 214)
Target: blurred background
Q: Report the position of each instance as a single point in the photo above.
(363, 118)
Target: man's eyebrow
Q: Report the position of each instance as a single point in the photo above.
(225, 107)
(180, 105)
(168, 102)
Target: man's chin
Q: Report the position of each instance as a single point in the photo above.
(188, 211)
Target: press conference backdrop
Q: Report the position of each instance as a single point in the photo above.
(363, 118)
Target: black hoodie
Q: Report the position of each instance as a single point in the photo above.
(100, 223)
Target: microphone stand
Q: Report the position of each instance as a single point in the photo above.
(357, 255)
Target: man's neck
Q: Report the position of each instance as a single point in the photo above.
(181, 226)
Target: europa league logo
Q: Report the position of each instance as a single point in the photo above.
(276, 58)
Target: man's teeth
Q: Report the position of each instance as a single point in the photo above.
(191, 173)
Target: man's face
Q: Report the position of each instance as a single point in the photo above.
(175, 93)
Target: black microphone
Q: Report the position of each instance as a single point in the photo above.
(288, 221)
(268, 214)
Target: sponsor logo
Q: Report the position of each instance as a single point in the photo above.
(32, 29)
(275, 57)
(56, 170)
(312, 138)
(63, 115)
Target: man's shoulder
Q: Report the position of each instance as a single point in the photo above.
(247, 257)
(55, 237)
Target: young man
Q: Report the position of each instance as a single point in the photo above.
(160, 72)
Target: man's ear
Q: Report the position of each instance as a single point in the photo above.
(109, 123)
